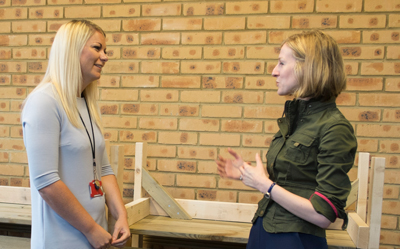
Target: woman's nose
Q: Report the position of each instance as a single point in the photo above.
(104, 57)
(275, 72)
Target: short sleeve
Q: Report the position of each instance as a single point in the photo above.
(41, 124)
(106, 167)
(336, 157)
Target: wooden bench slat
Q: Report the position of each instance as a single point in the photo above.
(15, 213)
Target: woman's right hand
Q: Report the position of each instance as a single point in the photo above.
(228, 168)
(98, 237)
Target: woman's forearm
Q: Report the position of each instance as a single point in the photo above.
(113, 197)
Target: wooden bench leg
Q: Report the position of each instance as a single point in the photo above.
(137, 240)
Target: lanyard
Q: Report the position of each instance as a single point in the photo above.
(92, 145)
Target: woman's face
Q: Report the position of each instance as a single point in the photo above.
(284, 72)
(93, 58)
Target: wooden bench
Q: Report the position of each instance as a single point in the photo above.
(162, 215)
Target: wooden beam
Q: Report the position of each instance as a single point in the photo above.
(137, 210)
(358, 230)
(162, 197)
(140, 163)
(221, 211)
(363, 165)
(353, 194)
(15, 195)
(375, 200)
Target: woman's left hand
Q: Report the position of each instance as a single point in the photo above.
(121, 233)
(255, 177)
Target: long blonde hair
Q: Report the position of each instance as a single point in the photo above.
(64, 69)
(319, 65)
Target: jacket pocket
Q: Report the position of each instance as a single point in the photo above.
(299, 147)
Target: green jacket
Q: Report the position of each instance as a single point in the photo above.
(310, 156)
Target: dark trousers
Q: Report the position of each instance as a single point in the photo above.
(260, 239)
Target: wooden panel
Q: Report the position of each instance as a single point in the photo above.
(358, 230)
(140, 163)
(375, 200)
(15, 213)
(363, 165)
(10, 242)
(137, 210)
(16, 195)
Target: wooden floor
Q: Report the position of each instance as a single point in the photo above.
(208, 230)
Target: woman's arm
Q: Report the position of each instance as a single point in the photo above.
(116, 206)
(256, 177)
(68, 207)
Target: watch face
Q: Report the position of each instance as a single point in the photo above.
(267, 195)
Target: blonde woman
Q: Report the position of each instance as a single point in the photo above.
(307, 163)
(70, 176)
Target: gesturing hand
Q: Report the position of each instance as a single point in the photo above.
(255, 177)
(228, 168)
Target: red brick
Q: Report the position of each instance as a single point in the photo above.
(119, 122)
(203, 9)
(182, 23)
(4, 131)
(392, 84)
(159, 95)
(160, 38)
(29, 53)
(103, 1)
(4, 106)
(381, 6)
(244, 67)
(172, 9)
(37, 67)
(141, 24)
(29, 26)
(392, 176)
(158, 123)
(392, 160)
(241, 126)
(200, 67)
(263, 52)
(139, 109)
(180, 81)
(222, 82)
(181, 193)
(5, 3)
(274, 98)
(5, 80)
(215, 195)
(362, 52)
(119, 94)
(362, 21)
(140, 81)
(5, 53)
(108, 25)
(197, 152)
(339, 6)
(199, 124)
(345, 36)
(82, 12)
(177, 138)
(364, 84)
(163, 179)
(389, 222)
(62, 2)
(199, 181)
(247, 37)
(108, 108)
(177, 165)
(393, 52)
(207, 167)
(380, 68)
(350, 68)
(141, 53)
(5, 27)
(394, 20)
(247, 97)
(200, 96)
(13, 40)
(47, 12)
(200, 38)
(108, 81)
(391, 115)
(223, 52)
(381, 36)
(110, 135)
(4, 157)
(375, 130)
(219, 139)
(12, 93)
(389, 146)
(224, 111)
(160, 67)
(346, 98)
(250, 7)
(256, 140)
(13, 13)
(121, 67)
(225, 183)
(260, 82)
(122, 39)
(277, 37)
(181, 52)
(314, 22)
(250, 197)
(263, 112)
(361, 114)
(137, 136)
(16, 105)
(12, 170)
(224, 23)
(292, 6)
(18, 157)
(124, 10)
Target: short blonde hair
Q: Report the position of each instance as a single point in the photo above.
(64, 69)
(319, 68)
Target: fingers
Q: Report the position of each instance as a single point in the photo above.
(234, 154)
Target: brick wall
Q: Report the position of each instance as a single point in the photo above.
(192, 78)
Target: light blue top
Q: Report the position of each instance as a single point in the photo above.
(59, 151)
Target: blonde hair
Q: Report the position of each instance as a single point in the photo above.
(64, 69)
(319, 65)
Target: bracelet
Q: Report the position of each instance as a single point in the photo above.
(268, 194)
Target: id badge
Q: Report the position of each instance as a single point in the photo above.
(95, 189)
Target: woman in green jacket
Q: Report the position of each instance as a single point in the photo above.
(307, 163)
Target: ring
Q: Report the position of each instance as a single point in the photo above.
(241, 177)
